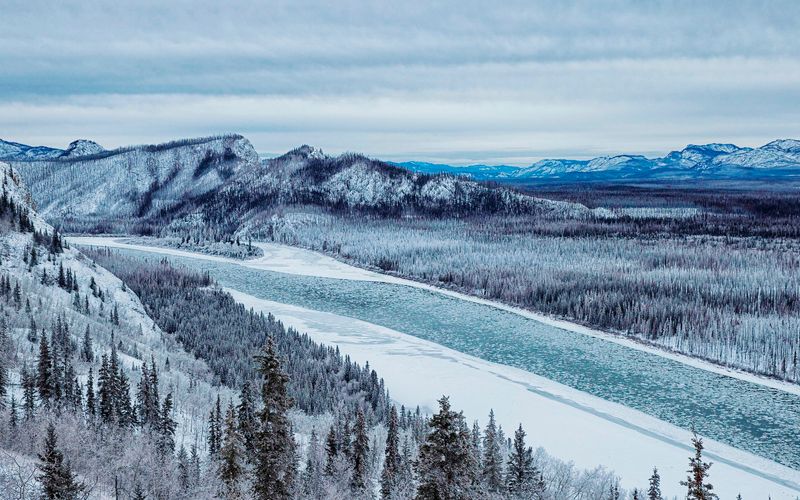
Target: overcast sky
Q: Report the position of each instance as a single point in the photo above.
(460, 82)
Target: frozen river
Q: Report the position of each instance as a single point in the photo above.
(753, 417)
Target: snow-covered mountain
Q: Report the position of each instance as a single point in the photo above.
(779, 159)
(22, 152)
(135, 182)
(81, 147)
(219, 183)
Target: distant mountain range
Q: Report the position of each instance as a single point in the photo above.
(776, 160)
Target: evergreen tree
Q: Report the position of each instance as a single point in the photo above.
(91, 406)
(331, 450)
(138, 492)
(523, 479)
(274, 446)
(246, 413)
(360, 454)
(29, 393)
(87, 353)
(492, 470)
(231, 454)
(391, 462)
(444, 462)
(57, 479)
(698, 488)
(215, 430)
(44, 372)
(106, 391)
(13, 417)
(654, 491)
(166, 428)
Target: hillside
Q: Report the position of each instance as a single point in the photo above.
(219, 184)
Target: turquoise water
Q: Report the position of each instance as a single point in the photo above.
(748, 416)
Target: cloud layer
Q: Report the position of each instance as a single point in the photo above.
(465, 81)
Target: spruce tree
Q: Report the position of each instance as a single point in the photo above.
(87, 353)
(246, 413)
(274, 446)
(3, 383)
(44, 372)
(654, 490)
(444, 462)
(57, 480)
(360, 454)
(697, 487)
(523, 479)
(166, 428)
(391, 462)
(492, 470)
(231, 454)
(331, 450)
(91, 406)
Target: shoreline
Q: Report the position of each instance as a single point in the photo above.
(276, 258)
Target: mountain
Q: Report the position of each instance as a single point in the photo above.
(136, 182)
(22, 152)
(81, 147)
(778, 159)
(219, 184)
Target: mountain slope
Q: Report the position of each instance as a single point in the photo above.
(133, 183)
(219, 185)
(14, 151)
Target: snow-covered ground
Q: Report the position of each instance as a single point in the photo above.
(568, 423)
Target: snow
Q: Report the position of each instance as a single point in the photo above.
(569, 424)
(418, 372)
(299, 261)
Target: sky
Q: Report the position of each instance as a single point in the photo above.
(455, 82)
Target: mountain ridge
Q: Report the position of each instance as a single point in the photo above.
(777, 159)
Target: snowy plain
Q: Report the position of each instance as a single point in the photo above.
(568, 423)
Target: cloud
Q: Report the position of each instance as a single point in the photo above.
(519, 80)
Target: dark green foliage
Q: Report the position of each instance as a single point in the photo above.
(696, 483)
(444, 466)
(274, 471)
(654, 488)
(57, 480)
(209, 323)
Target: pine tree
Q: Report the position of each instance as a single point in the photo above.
(246, 413)
(654, 491)
(443, 466)
(29, 393)
(215, 430)
(57, 479)
(87, 353)
(231, 454)
(523, 479)
(698, 488)
(391, 462)
(106, 391)
(331, 450)
(492, 471)
(274, 447)
(44, 372)
(13, 417)
(91, 406)
(166, 428)
(360, 454)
